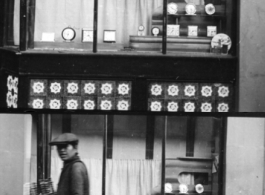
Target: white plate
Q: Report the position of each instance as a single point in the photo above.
(199, 188)
(210, 9)
(222, 39)
(190, 9)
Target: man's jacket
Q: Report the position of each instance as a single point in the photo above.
(74, 178)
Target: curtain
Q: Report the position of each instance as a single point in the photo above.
(130, 177)
(124, 16)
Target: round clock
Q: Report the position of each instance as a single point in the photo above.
(155, 31)
(199, 188)
(141, 28)
(220, 40)
(68, 34)
(210, 9)
(172, 8)
(190, 9)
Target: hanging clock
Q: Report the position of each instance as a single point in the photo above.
(155, 31)
(68, 34)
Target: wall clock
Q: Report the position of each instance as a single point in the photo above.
(68, 34)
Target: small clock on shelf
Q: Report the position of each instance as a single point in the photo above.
(141, 31)
(210, 9)
(190, 9)
(68, 34)
(172, 8)
(87, 35)
(109, 36)
(155, 31)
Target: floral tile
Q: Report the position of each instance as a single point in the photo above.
(107, 88)
(223, 91)
(173, 106)
(190, 90)
(72, 102)
(89, 88)
(173, 91)
(37, 102)
(106, 103)
(189, 106)
(206, 91)
(123, 89)
(72, 88)
(123, 104)
(156, 90)
(55, 88)
(156, 105)
(54, 103)
(89, 103)
(38, 87)
(223, 106)
(206, 106)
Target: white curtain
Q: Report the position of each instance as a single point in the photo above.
(130, 177)
(124, 16)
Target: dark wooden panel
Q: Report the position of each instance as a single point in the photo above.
(106, 66)
(9, 61)
(23, 25)
(150, 134)
(2, 22)
(66, 123)
(110, 136)
(31, 22)
(191, 125)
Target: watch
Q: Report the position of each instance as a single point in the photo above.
(172, 8)
(68, 34)
(155, 31)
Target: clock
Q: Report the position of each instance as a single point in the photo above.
(155, 31)
(190, 9)
(87, 35)
(68, 34)
(210, 9)
(141, 30)
(172, 8)
(172, 30)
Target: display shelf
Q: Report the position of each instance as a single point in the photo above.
(191, 159)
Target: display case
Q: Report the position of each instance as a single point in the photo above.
(122, 26)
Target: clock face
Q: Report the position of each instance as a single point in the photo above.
(210, 9)
(155, 31)
(87, 36)
(141, 28)
(68, 34)
(172, 8)
(190, 9)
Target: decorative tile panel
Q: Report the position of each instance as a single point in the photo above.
(190, 97)
(12, 92)
(80, 94)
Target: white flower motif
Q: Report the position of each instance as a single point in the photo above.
(14, 101)
(72, 104)
(90, 88)
(105, 105)
(189, 107)
(106, 88)
(38, 87)
(38, 103)
(72, 88)
(206, 107)
(173, 90)
(223, 91)
(89, 105)
(9, 82)
(55, 87)
(206, 91)
(156, 90)
(156, 106)
(172, 107)
(189, 90)
(15, 84)
(55, 104)
(9, 99)
(123, 105)
(123, 89)
(223, 107)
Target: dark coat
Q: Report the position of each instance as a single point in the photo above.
(74, 178)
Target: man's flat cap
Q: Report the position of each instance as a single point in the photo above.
(64, 138)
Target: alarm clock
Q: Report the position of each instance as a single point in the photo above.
(210, 9)
(141, 30)
(190, 9)
(172, 8)
(155, 31)
(68, 34)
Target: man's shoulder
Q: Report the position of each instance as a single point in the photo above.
(79, 165)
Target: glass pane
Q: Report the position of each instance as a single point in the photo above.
(192, 25)
(135, 165)
(89, 129)
(126, 25)
(192, 154)
(64, 24)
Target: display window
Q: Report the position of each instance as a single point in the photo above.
(134, 154)
(123, 26)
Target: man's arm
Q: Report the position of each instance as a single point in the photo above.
(78, 179)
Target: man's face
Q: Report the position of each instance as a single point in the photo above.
(66, 151)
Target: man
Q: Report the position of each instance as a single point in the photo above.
(74, 177)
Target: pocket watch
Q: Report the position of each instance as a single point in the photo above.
(68, 34)
(155, 31)
(190, 9)
(172, 8)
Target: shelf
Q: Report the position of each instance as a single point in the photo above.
(191, 159)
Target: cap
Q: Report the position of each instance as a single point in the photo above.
(64, 138)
